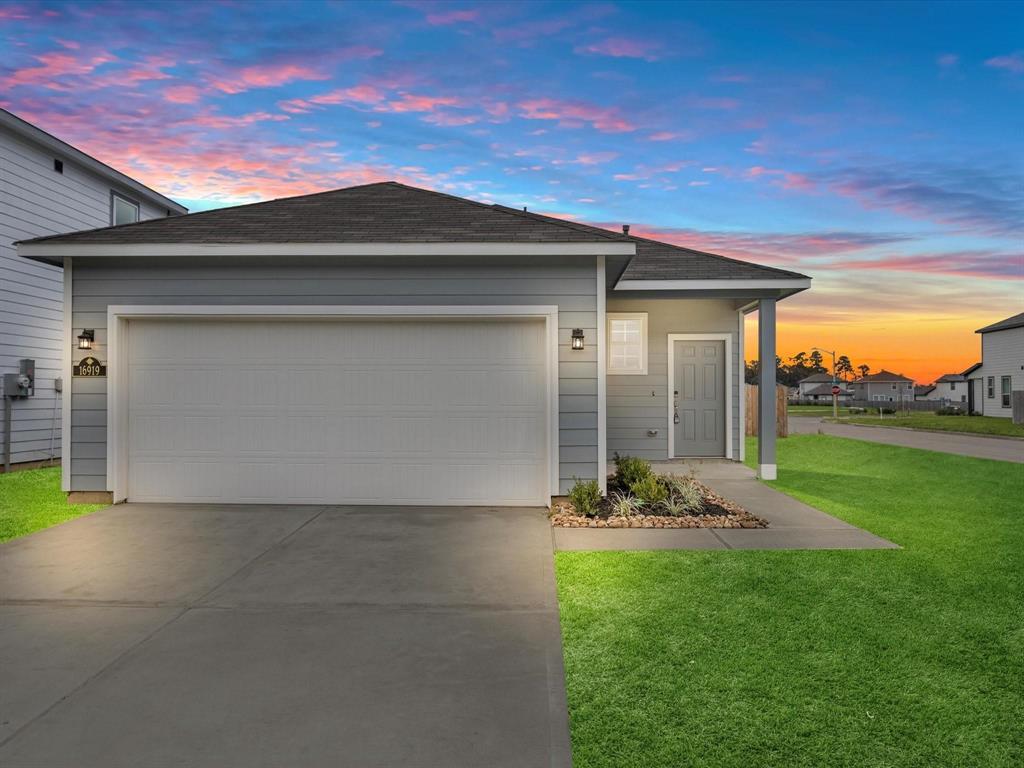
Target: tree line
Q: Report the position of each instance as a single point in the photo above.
(801, 365)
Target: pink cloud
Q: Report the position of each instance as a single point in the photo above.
(575, 114)
(182, 94)
(72, 44)
(452, 17)
(623, 47)
(664, 136)
(986, 264)
(1013, 62)
(409, 102)
(359, 94)
(595, 158)
(947, 60)
(56, 65)
(265, 76)
(14, 12)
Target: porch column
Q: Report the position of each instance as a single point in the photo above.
(766, 389)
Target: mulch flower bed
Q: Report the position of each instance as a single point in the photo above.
(714, 512)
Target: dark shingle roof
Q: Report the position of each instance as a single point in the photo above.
(816, 377)
(826, 389)
(951, 377)
(389, 212)
(386, 212)
(1016, 321)
(884, 375)
(656, 260)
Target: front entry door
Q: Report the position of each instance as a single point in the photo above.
(699, 383)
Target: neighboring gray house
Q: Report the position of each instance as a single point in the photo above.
(950, 388)
(818, 388)
(883, 387)
(1001, 371)
(48, 187)
(384, 344)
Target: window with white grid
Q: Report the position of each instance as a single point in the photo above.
(627, 343)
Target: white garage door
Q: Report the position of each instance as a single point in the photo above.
(347, 411)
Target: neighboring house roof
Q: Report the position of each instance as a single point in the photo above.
(1017, 321)
(950, 377)
(67, 152)
(971, 370)
(825, 389)
(882, 375)
(923, 389)
(389, 212)
(816, 377)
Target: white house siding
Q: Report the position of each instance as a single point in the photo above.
(35, 200)
(1002, 354)
(950, 391)
(568, 282)
(637, 404)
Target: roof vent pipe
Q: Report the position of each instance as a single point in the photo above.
(625, 229)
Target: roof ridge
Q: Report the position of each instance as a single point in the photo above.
(610, 234)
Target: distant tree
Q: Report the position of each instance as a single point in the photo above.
(799, 359)
(844, 368)
(751, 370)
(863, 370)
(817, 362)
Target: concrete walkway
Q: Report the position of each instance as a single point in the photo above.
(978, 446)
(248, 636)
(792, 524)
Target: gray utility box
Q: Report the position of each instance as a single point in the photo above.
(21, 384)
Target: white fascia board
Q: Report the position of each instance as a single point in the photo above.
(42, 251)
(789, 283)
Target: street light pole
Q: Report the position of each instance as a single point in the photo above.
(835, 382)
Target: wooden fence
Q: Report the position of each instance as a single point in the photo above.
(781, 417)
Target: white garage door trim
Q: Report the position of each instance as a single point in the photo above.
(117, 362)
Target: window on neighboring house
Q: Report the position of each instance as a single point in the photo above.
(952, 386)
(894, 386)
(627, 343)
(991, 387)
(1004, 390)
(123, 210)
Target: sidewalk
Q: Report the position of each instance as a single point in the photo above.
(977, 446)
(792, 524)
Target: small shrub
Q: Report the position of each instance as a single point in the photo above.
(585, 496)
(886, 410)
(686, 492)
(630, 469)
(673, 506)
(649, 490)
(623, 505)
(950, 411)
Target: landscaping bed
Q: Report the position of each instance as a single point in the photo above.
(638, 498)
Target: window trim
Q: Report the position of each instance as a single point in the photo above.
(644, 343)
(990, 388)
(114, 196)
(1005, 391)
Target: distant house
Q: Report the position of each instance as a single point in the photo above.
(921, 391)
(48, 187)
(884, 386)
(818, 388)
(1001, 370)
(951, 388)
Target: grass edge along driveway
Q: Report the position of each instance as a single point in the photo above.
(31, 499)
(930, 422)
(907, 657)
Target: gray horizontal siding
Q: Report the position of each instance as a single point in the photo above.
(637, 404)
(569, 283)
(35, 200)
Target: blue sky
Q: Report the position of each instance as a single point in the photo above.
(875, 146)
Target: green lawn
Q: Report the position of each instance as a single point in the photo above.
(911, 657)
(982, 425)
(32, 499)
(813, 410)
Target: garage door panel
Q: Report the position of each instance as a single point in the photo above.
(338, 411)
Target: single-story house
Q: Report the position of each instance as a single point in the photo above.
(1001, 370)
(48, 187)
(921, 391)
(384, 344)
(818, 388)
(884, 386)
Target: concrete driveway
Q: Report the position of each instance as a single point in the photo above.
(157, 635)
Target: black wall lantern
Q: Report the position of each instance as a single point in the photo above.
(577, 338)
(85, 338)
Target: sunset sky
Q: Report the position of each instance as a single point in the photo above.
(876, 147)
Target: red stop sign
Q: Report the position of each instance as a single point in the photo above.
(836, 390)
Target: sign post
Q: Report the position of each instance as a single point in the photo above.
(835, 401)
